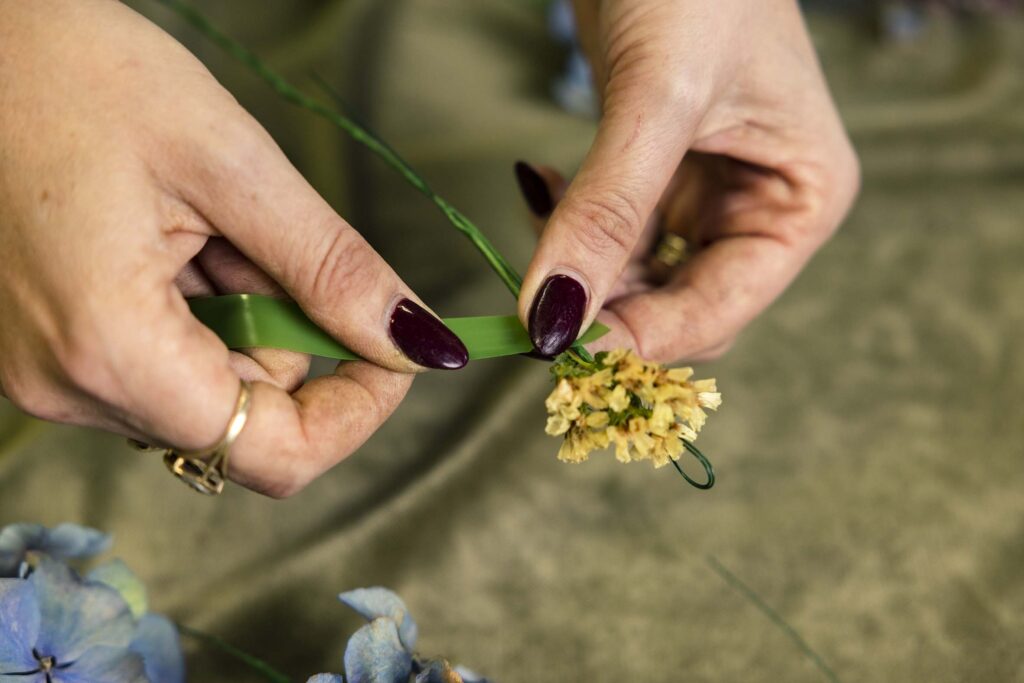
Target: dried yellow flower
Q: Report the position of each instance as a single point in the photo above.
(643, 409)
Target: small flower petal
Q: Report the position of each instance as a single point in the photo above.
(709, 399)
(557, 425)
(376, 655)
(103, 663)
(63, 542)
(678, 375)
(118, 576)
(77, 615)
(19, 626)
(662, 418)
(373, 603)
(156, 641)
(619, 399)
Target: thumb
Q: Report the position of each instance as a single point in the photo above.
(643, 134)
(249, 190)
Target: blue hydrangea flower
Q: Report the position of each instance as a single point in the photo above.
(382, 650)
(56, 627)
(574, 88)
(63, 542)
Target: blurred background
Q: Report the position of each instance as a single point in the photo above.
(870, 450)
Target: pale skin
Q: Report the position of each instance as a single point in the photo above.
(768, 173)
(130, 180)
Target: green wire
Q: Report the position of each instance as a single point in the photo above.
(292, 94)
(257, 665)
(766, 609)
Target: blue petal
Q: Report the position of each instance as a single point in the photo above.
(103, 664)
(326, 678)
(77, 615)
(156, 641)
(71, 541)
(562, 21)
(376, 655)
(66, 541)
(19, 626)
(374, 603)
(118, 576)
(14, 541)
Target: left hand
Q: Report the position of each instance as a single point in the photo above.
(768, 175)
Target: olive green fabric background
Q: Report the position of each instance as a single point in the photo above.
(870, 448)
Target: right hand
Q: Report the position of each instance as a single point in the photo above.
(130, 179)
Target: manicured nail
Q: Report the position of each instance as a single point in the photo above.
(534, 189)
(425, 339)
(556, 314)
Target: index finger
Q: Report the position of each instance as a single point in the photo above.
(709, 300)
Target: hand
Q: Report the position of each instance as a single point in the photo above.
(768, 175)
(130, 179)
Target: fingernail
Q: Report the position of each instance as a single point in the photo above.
(556, 314)
(425, 339)
(534, 189)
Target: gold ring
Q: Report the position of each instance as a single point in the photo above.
(671, 250)
(206, 471)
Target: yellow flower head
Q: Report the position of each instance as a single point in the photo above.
(642, 408)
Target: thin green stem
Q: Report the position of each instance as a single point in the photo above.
(766, 609)
(292, 94)
(257, 665)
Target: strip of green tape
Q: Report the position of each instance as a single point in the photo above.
(251, 320)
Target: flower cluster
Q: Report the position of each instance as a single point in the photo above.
(642, 408)
(57, 626)
(382, 650)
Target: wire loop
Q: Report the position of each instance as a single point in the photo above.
(709, 471)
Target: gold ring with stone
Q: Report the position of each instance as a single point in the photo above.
(671, 250)
(206, 471)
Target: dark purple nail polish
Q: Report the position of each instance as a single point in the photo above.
(556, 314)
(425, 339)
(534, 189)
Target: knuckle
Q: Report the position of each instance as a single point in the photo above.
(289, 474)
(379, 398)
(240, 140)
(391, 393)
(84, 364)
(716, 351)
(605, 224)
(344, 263)
(37, 399)
(37, 396)
(282, 490)
(658, 349)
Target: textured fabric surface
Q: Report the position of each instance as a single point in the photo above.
(870, 448)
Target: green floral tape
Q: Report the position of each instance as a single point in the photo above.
(251, 320)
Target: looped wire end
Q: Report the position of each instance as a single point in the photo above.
(709, 471)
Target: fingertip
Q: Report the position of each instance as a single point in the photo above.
(425, 339)
(556, 314)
